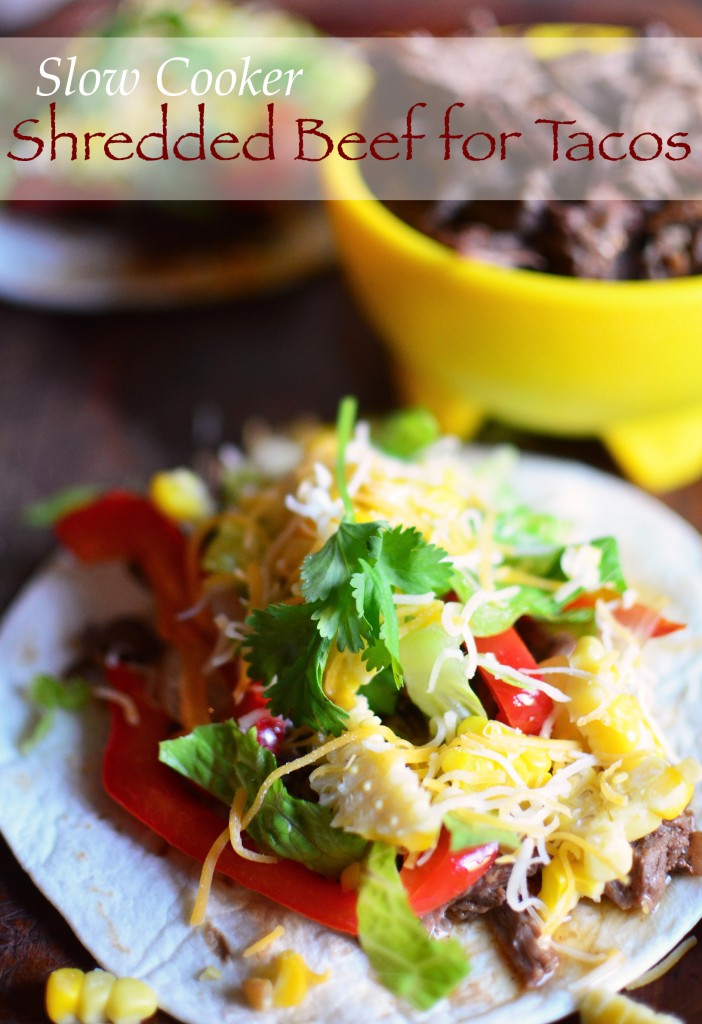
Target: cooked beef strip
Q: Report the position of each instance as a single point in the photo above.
(486, 894)
(671, 849)
(518, 936)
(516, 933)
(127, 639)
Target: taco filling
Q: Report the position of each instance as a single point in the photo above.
(390, 697)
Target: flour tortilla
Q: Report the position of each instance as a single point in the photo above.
(128, 897)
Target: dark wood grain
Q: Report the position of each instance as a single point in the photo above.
(110, 399)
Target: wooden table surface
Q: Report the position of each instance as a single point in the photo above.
(110, 398)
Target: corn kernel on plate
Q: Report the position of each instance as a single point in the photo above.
(128, 895)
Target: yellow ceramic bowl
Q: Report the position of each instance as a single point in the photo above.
(620, 360)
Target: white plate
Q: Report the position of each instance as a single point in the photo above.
(127, 898)
(89, 268)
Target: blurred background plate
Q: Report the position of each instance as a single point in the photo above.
(57, 264)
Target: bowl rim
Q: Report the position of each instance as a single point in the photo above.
(343, 182)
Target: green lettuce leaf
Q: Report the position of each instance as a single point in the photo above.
(48, 694)
(221, 759)
(45, 513)
(406, 959)
(465, 835)
(497, 616)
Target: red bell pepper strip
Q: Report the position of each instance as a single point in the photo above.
(127, 527)
(120, 526)
(156, 796)
(446, 874)
(519, 708)
(644, 622)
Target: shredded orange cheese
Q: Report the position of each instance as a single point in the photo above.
(206, 875)
(236, 827)
(264, 942)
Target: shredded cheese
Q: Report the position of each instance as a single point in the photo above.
(206, 875)
(666, 964)
(128, 705)
(262, 944)
(324, 750)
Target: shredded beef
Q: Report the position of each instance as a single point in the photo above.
(486, 894)
(671, 849)
(123, 639)
(600, 239)
(518, 936)
(516, 933)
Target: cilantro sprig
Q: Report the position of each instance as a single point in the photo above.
(348, 589)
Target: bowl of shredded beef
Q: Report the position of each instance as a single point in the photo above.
(569, 316)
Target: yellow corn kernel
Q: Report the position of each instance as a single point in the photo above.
(622, 729)
(669, 794)
(62, 991)
(586, 886)
(292, 978)
(93, 996)
(557, 891)
(473, 724)
(97, 997)
(258, 993)
(350, 877)
(656, 790)
(563, 728)
(457, 759)
(534, 766)
(181, 495)
(130, 1001)
(346, 672)
(601, 1007)
(590, 655)
(608, 854)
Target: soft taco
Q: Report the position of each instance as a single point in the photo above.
(401, 695)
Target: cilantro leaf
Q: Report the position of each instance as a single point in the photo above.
(406, 433)
(286, 652)
(407, 960)
(375, 606)
(49, 694)
(221, 759)
(345, 420)
(326, 579)
(331, 568)
(348, 587)
(410, 563)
